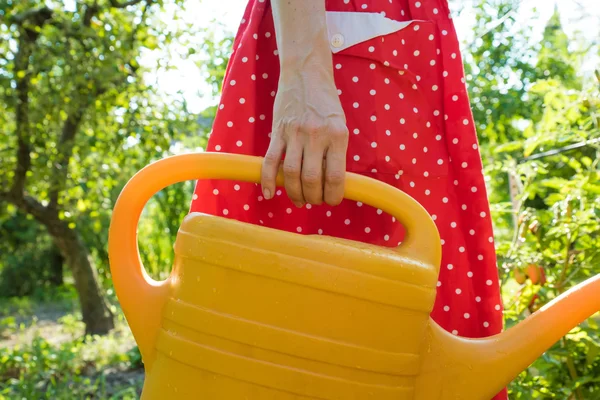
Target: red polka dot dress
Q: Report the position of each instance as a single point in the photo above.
(399, 75)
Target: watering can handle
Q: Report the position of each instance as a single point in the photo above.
(142, 298)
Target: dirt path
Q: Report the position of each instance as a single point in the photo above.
(43, 322)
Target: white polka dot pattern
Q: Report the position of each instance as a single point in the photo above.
(411, 127)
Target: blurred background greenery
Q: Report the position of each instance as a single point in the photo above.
(93, 90)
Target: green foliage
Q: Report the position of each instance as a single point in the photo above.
(42, 360)
(498, 68)
(93, 120)
(159, 225)
(75, 369)
(92, 71)
(216, 52)
(80, 119)
(557, 229)
(28, 258)
(540, 135)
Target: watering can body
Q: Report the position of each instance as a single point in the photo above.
(249, 312)
(258, 313)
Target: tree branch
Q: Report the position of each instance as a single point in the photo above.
(66, 142)
(90, 11)
(554, 152)
(65, 146)
(30, 205)
(32, 18)
(27, 23)
(116, 4)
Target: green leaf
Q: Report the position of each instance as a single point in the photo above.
(555, 183)
(508, 147)
(81, 206)
(592, 188)
(592, 354)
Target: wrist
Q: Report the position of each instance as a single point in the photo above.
(306, 49)
(313, 64)
(308, 76)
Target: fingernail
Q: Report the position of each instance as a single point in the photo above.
(267, 194)
(299, 205)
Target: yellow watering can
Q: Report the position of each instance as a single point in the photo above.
(252, 313)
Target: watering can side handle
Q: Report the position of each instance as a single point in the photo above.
(140, 296)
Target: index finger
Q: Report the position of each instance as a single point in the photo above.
(270, 166)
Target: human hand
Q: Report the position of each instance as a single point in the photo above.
(309, 126)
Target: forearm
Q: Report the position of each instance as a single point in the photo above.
(309, 124)
(301, 31)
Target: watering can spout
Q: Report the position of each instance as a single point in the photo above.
(487, 365)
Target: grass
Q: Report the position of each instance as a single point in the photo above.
(44, 355)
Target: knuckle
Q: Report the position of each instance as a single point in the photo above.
(277, 129)
(312, 129)
(340, 133)
(270, 159)
(311, 177)
(291, 171)
(291, 126)
(267, 176)
(335, 178)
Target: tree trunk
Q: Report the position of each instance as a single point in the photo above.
(56, 277)
(96, 315)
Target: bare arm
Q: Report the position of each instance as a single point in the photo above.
(301, 33)
(309, 125)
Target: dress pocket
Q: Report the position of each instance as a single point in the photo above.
(389, 78)
(347, 29)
